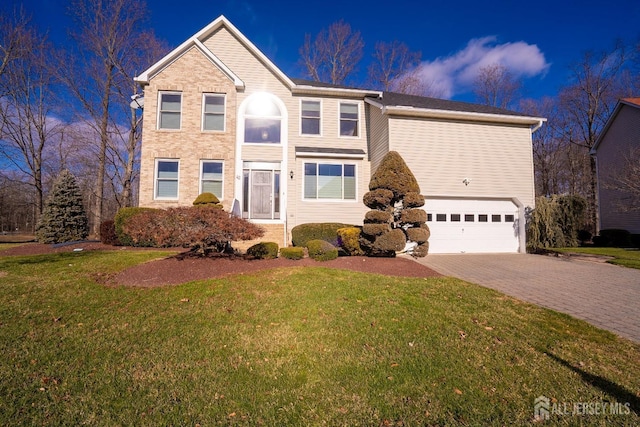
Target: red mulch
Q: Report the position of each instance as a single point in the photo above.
(175, 270)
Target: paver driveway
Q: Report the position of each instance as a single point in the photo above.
(604, 295)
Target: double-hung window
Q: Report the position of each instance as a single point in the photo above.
(211, 177)
(349, 119)
(329, 181)
(213, 111)
(310, 117)
(170, 110)
(167, 179)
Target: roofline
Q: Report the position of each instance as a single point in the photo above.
(607, 125)
(325, 90)
(196, 40)
(407, 111)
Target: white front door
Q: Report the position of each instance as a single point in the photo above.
(472, 226)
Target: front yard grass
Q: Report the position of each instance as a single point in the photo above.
(301, 346)
(625, 257)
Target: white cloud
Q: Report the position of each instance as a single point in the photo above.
(456, 73)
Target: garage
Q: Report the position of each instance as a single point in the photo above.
(472, 226)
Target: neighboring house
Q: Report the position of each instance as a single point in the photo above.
(617, 152)
(221, 117)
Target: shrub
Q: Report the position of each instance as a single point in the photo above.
(348, 238)
(418, 234)
(204, 229)
(63, 217)
(394, 174)
(378, 199)
(378, 217)
(321, 250)
(264, 250)
(555, 222)
(413, 216)
(613, 237)
(413, 200)
(108, 233)
(393, 241)
(375, 229)
(122, 217)
(292, 253)
(207, 199)
(327, 231)
(422, 250)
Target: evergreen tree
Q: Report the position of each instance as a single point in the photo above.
(64, 218)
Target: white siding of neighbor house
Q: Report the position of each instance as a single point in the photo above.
(497, 159)
(616, 145)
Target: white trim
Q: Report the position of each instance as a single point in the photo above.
(159, 114)
(331, 91)
(310, 135)
(155, 179)
(330, 155)
(359, 121)
(329, 162)
(202, 161)
(224, 112)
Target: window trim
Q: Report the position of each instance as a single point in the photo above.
(281, 118)
(326, 162)
(156, 179)
(319, 134)
(159, 115)
(358, 120)
(202, 162)
(224, 111)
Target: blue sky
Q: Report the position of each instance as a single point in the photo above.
(537, 40)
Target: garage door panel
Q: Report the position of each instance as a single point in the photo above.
(473, 226)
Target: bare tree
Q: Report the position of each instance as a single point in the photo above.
(15, 36)
(390, 62)
(412, 82)
(333, 56)
(26, 125)
(110, 39)
(586, 106)
(496, 86)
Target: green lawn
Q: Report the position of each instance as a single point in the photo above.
(625, 257)
(302, 346)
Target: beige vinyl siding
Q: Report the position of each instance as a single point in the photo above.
(258, 153)
(496, 158)
(622, 136)
(192, 74)
(379, 141)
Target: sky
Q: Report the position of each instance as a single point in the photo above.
(537, 41)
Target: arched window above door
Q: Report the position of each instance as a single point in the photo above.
(262, 121)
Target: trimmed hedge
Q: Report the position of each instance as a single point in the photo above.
(264, 250)
(321, 250)
(292, 253)
(207, 199)
(413, 216)
(375, 229)
(327, 231)
(422, 250)
(394, 174)
(378, 217)
(413, 200)
(108, 234)
(418, 234)
(349, 239)
(120, 220)
(613, 237)
(393, 241)
(378, 199)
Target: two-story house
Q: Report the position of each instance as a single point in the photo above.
(219, 116)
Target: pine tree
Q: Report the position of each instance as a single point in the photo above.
(63, 218)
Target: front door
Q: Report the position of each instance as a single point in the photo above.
(261, 195)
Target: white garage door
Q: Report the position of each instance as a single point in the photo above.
(472, 226)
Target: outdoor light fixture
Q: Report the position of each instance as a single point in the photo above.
(291, 174)
(466, 181)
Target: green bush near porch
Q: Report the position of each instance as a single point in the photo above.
(327, 231)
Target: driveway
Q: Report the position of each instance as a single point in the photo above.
(604, 295)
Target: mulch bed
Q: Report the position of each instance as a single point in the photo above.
(181, 269)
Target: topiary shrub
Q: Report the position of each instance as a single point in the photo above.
(413, 200)
(378, 199)
(208, 199)
(413, 216)
(378, 217)
(348, 239)
(327, 231)
(375, 229)
(321, 250)
(264, 250)
(421, 250)
(63, 217)
(394, 174)
(292, 253)
(108, 233)
(418, 234)
(393, 241)
(122, 216)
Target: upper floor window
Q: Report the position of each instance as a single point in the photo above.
(213, 111)
(310, 118)
(329, 181)
(211, 177)
(348, 119)
(262, 121)
(170, 110)
(167, 179)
